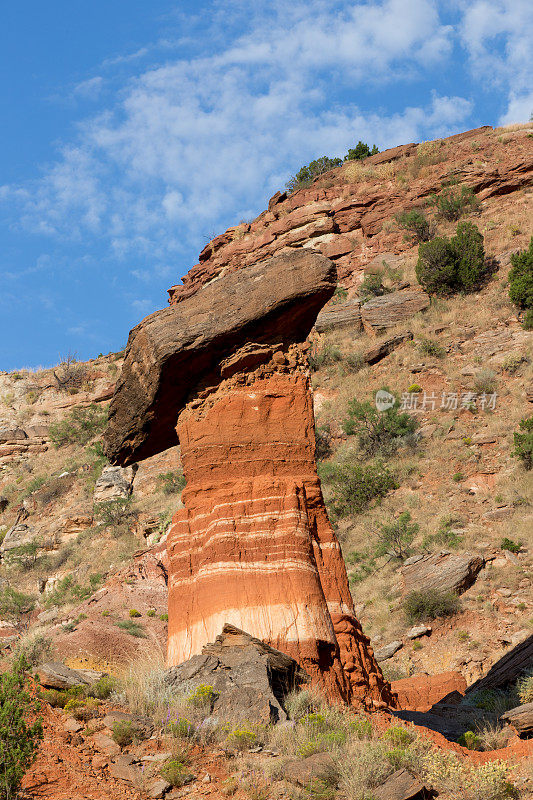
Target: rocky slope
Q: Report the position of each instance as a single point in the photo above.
(458, 481)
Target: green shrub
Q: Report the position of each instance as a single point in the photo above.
(396, 538)
(357, 486)
(176, 773)
(378, 432)
(181, 728)
(521, 278)
(414, 388)
(305, 176)
(458, 477)
(14, 604)
(527, 323)
(372, 286)
(103, 688)
(525, 688)
(455, 778)
(424, 605)
(446, 266)
(329, 354)
(131, 627)
(454, 201)
(164, 617)
(134, 613)
(79, 426)
(470, 740)
(124, 732)
(416, 225)
(469, 256)
(523, 442)
(19, 741)
(170, 482)
(240, 739)
(398, 736)
(151, 612)
(360, 151)
(508, 544)
(117, 513)
(55, 697)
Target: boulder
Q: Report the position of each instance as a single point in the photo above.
(389, 310)
(124, 768)
(251, 679)
(115, 483)
(443, 572)
(402, 786)
(338, 316)
(419, 630)
(308, 771)
(388, 650)
(55, 675)
(375, 354)
(17, 536)
(521, 719)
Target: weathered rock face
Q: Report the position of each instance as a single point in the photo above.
(253, 546)
(175, 350)
(444, 572)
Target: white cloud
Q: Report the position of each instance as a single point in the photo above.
(89, 89)
(498, 35)
(195, 141)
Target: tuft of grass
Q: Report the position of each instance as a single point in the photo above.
(131, 627)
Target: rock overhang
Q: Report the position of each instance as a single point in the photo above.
(171, 352)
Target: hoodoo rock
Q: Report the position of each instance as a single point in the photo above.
(224, 372)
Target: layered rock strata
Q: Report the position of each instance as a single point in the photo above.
(346, 214)
(253, 546)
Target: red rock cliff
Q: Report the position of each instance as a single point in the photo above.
(254, 546)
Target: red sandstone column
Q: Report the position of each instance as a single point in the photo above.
(254, 547)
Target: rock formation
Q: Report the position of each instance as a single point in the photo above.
(225, 373)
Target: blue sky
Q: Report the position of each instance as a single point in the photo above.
(134, 131)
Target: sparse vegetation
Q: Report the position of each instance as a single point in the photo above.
(451, 265)
(356, 486)
(19, 740)
(79, 426)
(395, 539)
(378, 432)
(524, 688)
(131, 627)
(420, 606)
(416, 225)
(523, 442)
(454, 201)
(170, 482)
